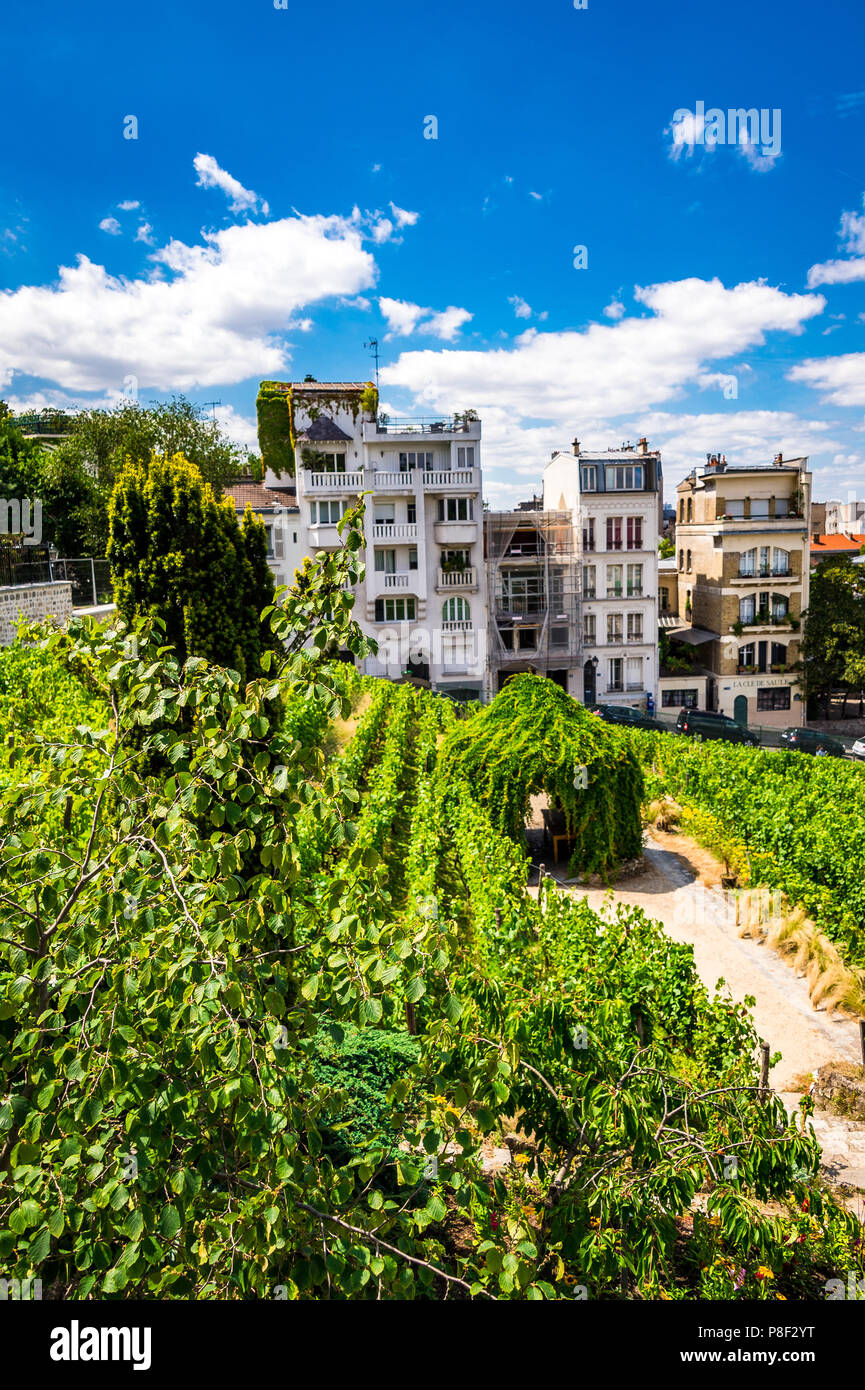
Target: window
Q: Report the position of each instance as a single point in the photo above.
(782, 506)
(385, 514)
(412, 557)
(763, 600)
(635, 627)
(411, 513)
(614, 533)
(558, 636)
(614, 581)
(327, 513)
(465, 455)
(415, 459)
(588, 581)
(456, 509)
(778, 654)
(456, 610)
(589, 477)
(689, 562)
(679, 699)
(633, 673)
(522, 592)
(624, 478)
(269, 533)
(590, 629)
(329, 463)
(614, 627)
(747, 608)
(690, 509)
(681, 509)
(759, 506)
(394, 610)
(527, 638)
(385, 561)
(746, 655)
(681, 560)
(736, 509)
(665, 599)
(776, 697)
(635, 533)
(764, 561)
(589, 533)
(780, 561)
(780, 607)
(635, 580)
(748, 563)
(614, 674)
(455, 559)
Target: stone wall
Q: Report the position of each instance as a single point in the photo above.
(32, 602)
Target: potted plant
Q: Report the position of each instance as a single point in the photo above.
(738, 627)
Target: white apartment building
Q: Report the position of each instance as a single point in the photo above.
(423, 599)
(615, 497)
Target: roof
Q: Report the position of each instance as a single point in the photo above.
(838, 543)
(666, 563)
(695, 636)
(330, 386)
(324, 429)
(258, 497)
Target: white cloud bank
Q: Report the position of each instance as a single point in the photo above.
(241, 199)
(404, 318)
(851, 238)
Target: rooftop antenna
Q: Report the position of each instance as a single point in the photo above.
(372, 344)
(213, 405)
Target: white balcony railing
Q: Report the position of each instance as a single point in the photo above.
(333, 482)
(395, 531)
(458, 579)
(465, 478)
(394, 581)
(463, 625)
(388, 481)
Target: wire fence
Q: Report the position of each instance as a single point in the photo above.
(90, 577)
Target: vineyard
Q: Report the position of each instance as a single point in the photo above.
(268, 1006)
(791, 822)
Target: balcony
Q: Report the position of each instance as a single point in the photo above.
(589, 594)
(389, 582)
(389, 427)
(395, 531)
(322, 537)
(332, 482)
(450, 534)
(755, 574)
(615, 593)
(636, 638)
(442, 480)
(462, 625)
(401, 481)
(457, 579)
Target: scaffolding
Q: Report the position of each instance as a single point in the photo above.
(533, 594)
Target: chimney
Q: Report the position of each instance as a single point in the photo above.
(642, 446)
(779, 460)
(576, 448)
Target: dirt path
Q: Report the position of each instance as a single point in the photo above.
(679, 885)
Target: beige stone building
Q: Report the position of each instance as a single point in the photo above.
(742, 557)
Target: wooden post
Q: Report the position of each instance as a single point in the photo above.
(410, 1020)
(862, 1039)
(764, 1071)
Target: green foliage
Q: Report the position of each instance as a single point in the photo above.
(666, 548)
(534, 737)
(798, 821)
(178, 553)
(276, 438)
(833, 646)
(361, 1067)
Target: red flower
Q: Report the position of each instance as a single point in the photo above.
(494, 1221)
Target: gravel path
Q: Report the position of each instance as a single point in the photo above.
(670, 888)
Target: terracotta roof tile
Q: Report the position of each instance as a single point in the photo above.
(258, 496)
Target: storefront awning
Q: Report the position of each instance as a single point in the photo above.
(695, 636)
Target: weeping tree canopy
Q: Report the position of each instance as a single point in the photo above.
(535, 738)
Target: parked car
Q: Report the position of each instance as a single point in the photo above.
(633, 718)
(704, 723)
(858, 749)
(813, 741)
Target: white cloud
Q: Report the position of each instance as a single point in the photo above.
(382, 231)
(686, 134)
(208, 313)
(237, 427)
(145, 234)
(129, 205)
(841, 379)
(836, 272)
(851, 238)
(110, 225)
(402, 217)
(759, 159)
(608, 369)
(210, 175)
(404, 318)
(521, 308)
(615, 309)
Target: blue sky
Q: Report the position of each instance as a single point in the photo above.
(281, 205)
